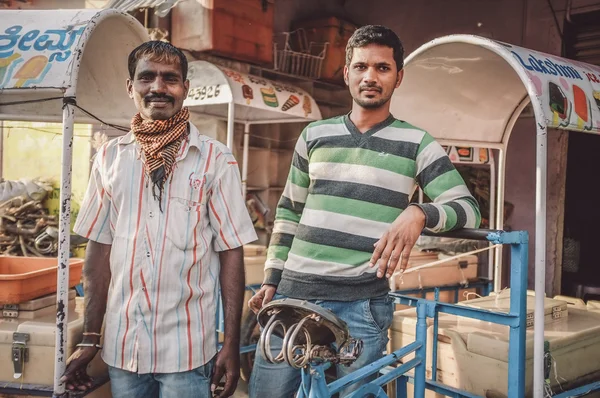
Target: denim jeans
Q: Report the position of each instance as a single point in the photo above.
(191, 384)
(368, 320)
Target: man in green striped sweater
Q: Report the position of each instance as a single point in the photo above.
(344, 223)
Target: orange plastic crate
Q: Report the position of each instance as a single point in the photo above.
(26, 278)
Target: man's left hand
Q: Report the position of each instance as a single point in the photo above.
(227, 364)
(395, 245)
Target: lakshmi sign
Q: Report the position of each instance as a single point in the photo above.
(569, 91)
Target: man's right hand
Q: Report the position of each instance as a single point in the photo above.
(76, 377)
(262, 297)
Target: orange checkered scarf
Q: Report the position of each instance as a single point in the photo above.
(160, 141)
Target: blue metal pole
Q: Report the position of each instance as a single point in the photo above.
(435, 346)
(518, 308)
(373, 367)
(421, 353)
(487, 288)
(318, 385)
(401, 386)
(305, 386)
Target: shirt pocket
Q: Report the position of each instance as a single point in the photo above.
(187, 215)
(184, 222)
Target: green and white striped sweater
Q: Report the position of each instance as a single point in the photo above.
(343, 191)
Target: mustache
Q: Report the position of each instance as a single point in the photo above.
(370, 87)
(155, 97)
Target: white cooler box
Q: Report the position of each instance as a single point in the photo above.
(35, 325)
(453, 272)
(473, 355)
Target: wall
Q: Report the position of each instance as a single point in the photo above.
(528, 23)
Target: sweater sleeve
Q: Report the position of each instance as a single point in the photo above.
(452, 206)
(288, 214)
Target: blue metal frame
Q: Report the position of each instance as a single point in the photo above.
(515, 318)
(482, 283)
(313, 377)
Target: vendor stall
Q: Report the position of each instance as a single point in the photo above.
(69, 66)
(469, 91)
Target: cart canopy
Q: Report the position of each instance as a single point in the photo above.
(256, 100)
(45, 53)
(464, 88)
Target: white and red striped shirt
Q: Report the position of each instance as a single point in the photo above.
(161, 310)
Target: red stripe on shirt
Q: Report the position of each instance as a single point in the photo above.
(162, 254)
(137, 229)
(89, 232)
(89, 208)
(145, 289)
(229, 213)
(195, 259)
(210, 150)
(219, 221)
(189, 318)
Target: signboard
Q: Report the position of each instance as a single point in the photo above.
(210, 88)
(36, 49)
(569, 91)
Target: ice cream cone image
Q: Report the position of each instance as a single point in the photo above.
(31, 69)
(559, 105)
(247, 93)
(307, 106)
(269, 97)
(291, 102)
(5, 63)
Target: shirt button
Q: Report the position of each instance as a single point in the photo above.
(144, 289)
(151, 214)
(148, 254)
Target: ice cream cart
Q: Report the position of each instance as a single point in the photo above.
(64, 66)
(446, 91)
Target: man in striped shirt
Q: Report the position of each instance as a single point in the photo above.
(166, 221)
(344, 224)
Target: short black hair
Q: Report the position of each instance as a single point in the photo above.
(376, 34)
(158, 51)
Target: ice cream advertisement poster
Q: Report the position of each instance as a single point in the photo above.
(468, 155)
(37, 55)
(569, 91)
(252, 91)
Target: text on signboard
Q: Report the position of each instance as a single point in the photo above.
(60, 40)
(548, 67)
(204, 92)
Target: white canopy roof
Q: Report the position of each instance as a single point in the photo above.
(468, 88)
(256, 100)
(45, 54)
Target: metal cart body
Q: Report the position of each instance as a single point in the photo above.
(469, 91)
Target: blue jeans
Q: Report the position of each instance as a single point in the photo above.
(192, 384)
(368, 320)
